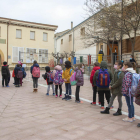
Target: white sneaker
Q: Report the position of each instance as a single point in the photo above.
(128, 119)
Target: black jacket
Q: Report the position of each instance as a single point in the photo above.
(16, 70)
(5, 71)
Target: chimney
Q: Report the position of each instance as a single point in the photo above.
(71, 25)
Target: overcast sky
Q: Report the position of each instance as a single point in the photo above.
(56, 12)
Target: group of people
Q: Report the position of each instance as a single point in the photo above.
(101, 79)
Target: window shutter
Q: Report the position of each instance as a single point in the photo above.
(44, 36)
(21, 50)
(15, 55)
(18, 33)
(32, 35)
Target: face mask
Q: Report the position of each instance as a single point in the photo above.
(123, 69)
(130, 58)
(83, 67)
(115, 66)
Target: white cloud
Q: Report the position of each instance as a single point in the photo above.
(57, 12)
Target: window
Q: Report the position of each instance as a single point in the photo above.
(83, 31)
(43, 56)
(61, 41)
(31, 55)
(18, 33)
(18, 54)
(45, 36)
(32, 35)
(70, 38)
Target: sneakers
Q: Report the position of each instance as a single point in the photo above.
(93, 103)
(111, 107)
(60, 96)
(68, 98)
(53, 94)
(47, 94)
(128, 119)
(56, 96)
(99, 103)
(133, 119)
(102, 107)
(64, 97)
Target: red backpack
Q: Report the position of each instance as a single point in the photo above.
(20, 74)
(36, 72)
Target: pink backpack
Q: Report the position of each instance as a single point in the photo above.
(36, 72)
(73, 81)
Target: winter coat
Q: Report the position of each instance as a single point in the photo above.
(95, 78)
(116, 86)
(127, 81)
(92, 74)
(46, 75)
(67, 74)
(132, 60)
(79, 77)
(31, 69)
(16, 70)
(5, 71)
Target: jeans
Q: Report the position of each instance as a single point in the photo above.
(4, 79)
(68, 89)
(77, 93)
(101, 96)
(48, 89)
(56, 89)
(112, 100)
(130, 106)
(35, 82)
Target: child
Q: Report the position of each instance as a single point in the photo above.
(80, 82)
(103, 77)
(17, 68)
(35, 71)
(49, 83)
(116, 88)
(96, 67)
(67, 73)
(5, 74)
(127, 81)
(58, 81)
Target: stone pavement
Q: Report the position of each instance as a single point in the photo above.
(25, 115)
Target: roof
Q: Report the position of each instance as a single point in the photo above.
(74, 27)
(27, 23)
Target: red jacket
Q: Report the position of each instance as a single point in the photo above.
(92, 74)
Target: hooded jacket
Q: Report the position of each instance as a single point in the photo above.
(103, 66)
(67, 73)
(31, 69)
(5, 71)
(117, 82)
(79, 77)
(127, 81)
(92, 74)
(46, 75)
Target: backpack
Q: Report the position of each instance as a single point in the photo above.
(49, 76)
(58, 78)
(20, 74)
(119, 74)
(36, 72)
(103, 79)
(134, 84)
(70, 71)
(73, 81)
(24, 73)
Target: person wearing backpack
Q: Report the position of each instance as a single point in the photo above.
(58, 81)
(94, 87)
(103, 78)
(126, 90)
(5, 74)
(67, 73)
(80, 82)
(35, 71)
(16, 71)
(49, 80)
(116, 88)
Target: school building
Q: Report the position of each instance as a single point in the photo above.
(25, 41)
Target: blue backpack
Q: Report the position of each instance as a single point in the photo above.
(24, 73)
(134, 85)
(103, 79)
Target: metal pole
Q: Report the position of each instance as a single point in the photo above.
(121, 26)
(7, 40)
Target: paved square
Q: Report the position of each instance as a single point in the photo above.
(25, 115)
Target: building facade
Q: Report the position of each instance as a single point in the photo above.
(25, 41)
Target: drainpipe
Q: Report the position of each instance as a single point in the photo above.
(7, 38)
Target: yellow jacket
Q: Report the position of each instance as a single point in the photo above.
(67, 73)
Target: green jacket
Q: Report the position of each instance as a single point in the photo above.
(116, 86)
(103, 66)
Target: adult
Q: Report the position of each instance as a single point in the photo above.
(132, 60)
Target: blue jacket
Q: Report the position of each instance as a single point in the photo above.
(16, 70)
(31, 69)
